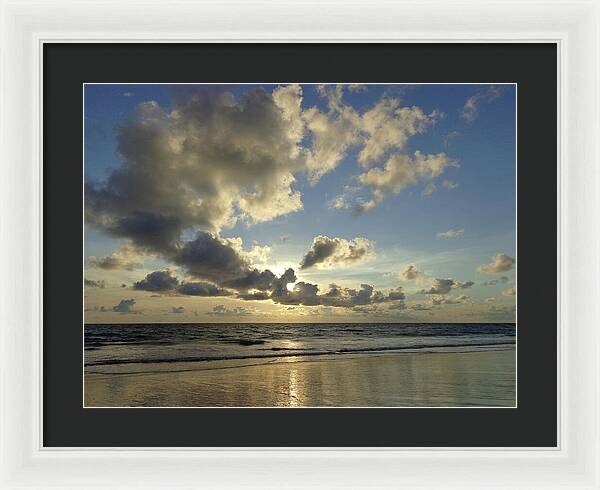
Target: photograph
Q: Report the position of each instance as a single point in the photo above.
(299, 245)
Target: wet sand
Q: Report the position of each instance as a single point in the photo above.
(390, 379)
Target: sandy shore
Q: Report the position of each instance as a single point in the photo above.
(392, 379)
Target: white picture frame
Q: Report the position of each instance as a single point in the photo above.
(574, 25)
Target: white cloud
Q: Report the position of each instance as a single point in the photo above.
(450, 234)
(429, 189)
(472, 105)
(402, 171)
(449, 184)
(500, 263)
(357, 87)
(259, 254)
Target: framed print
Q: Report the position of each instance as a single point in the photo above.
(335, 256)
(285, 251)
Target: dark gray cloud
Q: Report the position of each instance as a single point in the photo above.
(125, 306)
(223, 310)
(126, 257)
(420, 307)
(201, 289)
(100, 309)
(164, 281)
(157, 281)
(493, 282)
(307, 294)
(329, 252)
(94, 284)
(255, 296)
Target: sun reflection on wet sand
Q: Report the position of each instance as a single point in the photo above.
(375, 380)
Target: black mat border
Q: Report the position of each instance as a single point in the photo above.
(533, 66)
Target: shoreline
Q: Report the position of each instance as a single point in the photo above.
(483, 377)
(285, 353)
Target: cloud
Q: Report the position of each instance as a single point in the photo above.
(164, 281)
(157, 281)
(201, 289)
(411, 273)
(208, 162)
(100, 309)
(429, 189)
(420, 307)
(449, 184)
(450, 234)
(444, 286)
(500, 263)
(490, 300)
(397, 294)
(448, 300)
(357, 87)
(259, 253)
(126, 257)
(307, 294)
(401, 171)
(509, 292)
(178, 309)
(94, 283)
(493, 282)
(384, 127)
(125, 306)
(472, 105)
(284, 238)
(255, 296)
(222, 310)
(327, 253)
(127, 94)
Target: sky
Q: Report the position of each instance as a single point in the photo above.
(300, 203)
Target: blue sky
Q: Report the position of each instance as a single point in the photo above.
(473, 126)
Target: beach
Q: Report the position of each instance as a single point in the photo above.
(442, 377)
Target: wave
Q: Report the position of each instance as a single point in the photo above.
(299, 353)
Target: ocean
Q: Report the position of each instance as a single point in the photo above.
(119, 345)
